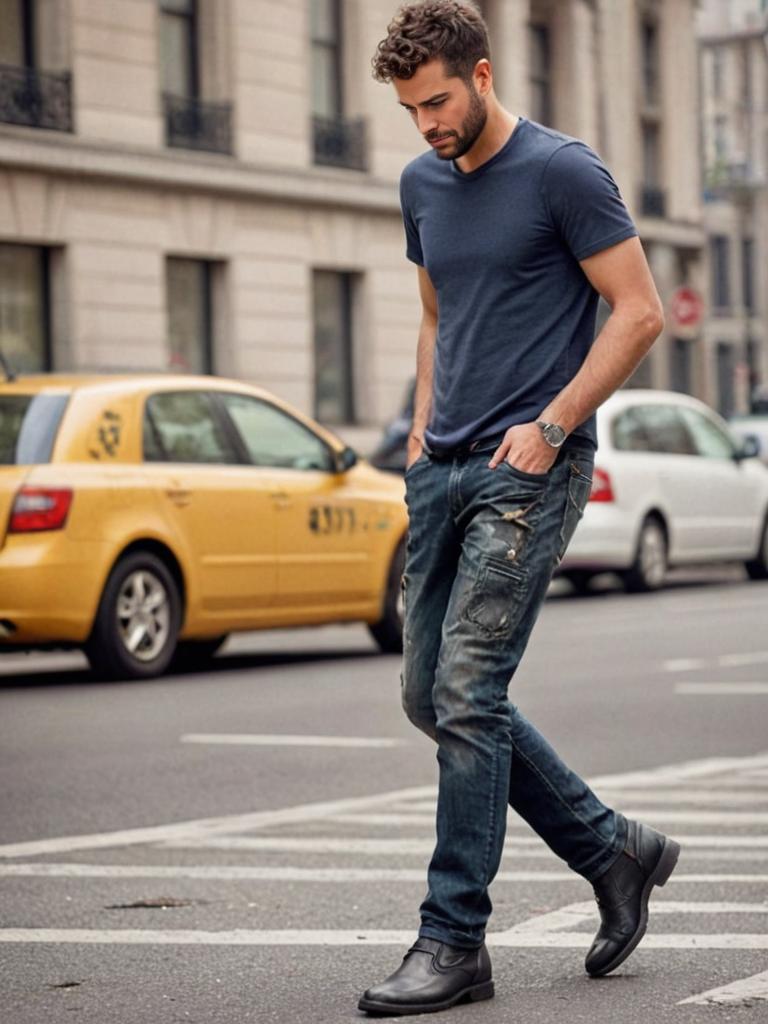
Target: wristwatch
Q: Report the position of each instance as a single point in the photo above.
(554, 434)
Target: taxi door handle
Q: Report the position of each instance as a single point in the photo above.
(179, 495)
(281, 499)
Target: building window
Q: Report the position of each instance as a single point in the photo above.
(25, 308)
(747, 273)
(334, 357)
(190, 122)
(190, 319)
(649, 35)
(338, 141)
(726, 392)
(721, 290)
(540, 80)
(718, 65)
(652, 197)
(681, 366)
(28, 95)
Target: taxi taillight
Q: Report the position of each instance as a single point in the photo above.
(40, 508)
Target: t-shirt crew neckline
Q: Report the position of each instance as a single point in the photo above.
(478, 171)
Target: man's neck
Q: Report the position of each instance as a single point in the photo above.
(496, 133)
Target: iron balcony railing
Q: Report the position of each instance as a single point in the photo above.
(653, 201)
(193, 124)
(340, 142)
(39, 99)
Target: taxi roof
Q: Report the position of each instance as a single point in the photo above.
(121, 381)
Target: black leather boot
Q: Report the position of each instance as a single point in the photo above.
(433, 976)
(622, 894)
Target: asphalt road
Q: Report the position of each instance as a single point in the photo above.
(248, 843)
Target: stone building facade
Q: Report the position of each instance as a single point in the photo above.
(212, 184)
(734, 90)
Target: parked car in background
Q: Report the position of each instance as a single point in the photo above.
(672, 486)
(144, 518)
(391, 451)
(754, 426)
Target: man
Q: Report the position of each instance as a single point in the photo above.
(515, 230)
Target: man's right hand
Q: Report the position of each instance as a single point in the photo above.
(415, 449)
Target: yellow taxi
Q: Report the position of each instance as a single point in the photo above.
(144, 518)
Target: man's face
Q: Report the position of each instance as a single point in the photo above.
(448, 112)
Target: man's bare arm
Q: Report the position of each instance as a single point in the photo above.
(622, 276)
(425, 358)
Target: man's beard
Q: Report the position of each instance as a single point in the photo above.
(470, 130)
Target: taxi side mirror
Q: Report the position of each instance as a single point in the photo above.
(345, 459)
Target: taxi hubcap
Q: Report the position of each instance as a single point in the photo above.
(143, 615)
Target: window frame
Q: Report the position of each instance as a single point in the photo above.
(191, 19)
(336, 48)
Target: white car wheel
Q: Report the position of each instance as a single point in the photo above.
(649, 569)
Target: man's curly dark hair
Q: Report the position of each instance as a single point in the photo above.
(452, 30)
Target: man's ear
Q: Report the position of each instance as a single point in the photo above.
(482, 76)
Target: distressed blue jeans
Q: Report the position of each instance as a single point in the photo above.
(482, 546)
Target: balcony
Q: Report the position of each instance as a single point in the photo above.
(38, 99)
(192, 124)
(653, 201)
(339, 142)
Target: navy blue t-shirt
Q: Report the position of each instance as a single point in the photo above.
(516, 313)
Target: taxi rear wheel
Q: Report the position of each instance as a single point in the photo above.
(134, 634)
(388, 631)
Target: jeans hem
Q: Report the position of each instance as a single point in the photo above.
(606, 861)
(431, 932)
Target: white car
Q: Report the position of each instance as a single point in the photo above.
(672, 486)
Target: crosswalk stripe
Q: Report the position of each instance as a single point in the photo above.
(235, 872)
(745, 990)
(358, 937)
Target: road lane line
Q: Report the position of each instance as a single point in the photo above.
(682, 816)
(743, 658)
(667, 775)
(415, 846)
(211, 826)
(745, 990)
(745, 689)
(283, 740)
(686, 771)
(684, 664)
(277, 873)
(358, 937)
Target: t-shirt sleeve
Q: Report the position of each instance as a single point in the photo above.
(412, 241)
(584, 201)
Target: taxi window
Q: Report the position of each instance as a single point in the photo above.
(272, 438)
(28, 427)
(182, 426)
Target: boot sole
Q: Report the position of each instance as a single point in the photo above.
(473, 994)
(659, 876)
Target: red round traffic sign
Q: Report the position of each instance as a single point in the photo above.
(686, 306)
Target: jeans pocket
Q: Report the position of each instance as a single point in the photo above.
(497, 599)
(579, 489)
(520, 474)
(420, 461)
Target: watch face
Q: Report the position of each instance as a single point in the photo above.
(554, 434)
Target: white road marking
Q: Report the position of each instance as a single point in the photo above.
(683, 817)
(674, 774)
(277, 740)
(667, 775)
(407, 847)
(723, 660)
(210, 826)
(745, 689)
(358, 937)
(745, 990)
(225, 872)
(684, 664)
